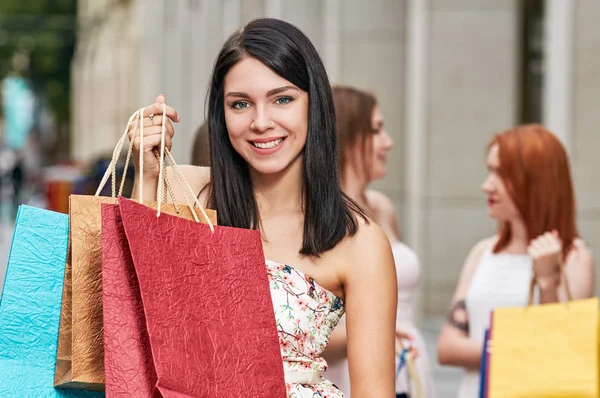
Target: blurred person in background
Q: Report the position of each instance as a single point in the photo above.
(18, 109)
(200, 149)
(530, 193)
(363, 146)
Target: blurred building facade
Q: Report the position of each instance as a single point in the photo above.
(448, 74)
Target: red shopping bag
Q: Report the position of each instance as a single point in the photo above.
(129, 370)
(128, 367)
(207, 306)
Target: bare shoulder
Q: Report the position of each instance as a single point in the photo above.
(470, 266)
(197, 178)
(580, 271)
(483, 245)
(581, 256)
(368, 249)
(384, 213)
(477, 251)
(381, 203)
(369, 234)
(379, 199)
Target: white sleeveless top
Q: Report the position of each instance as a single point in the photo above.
(501, 280)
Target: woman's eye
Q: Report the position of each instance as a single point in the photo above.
(283, 100)
(240, 105)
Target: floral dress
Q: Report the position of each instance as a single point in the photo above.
(305, 313)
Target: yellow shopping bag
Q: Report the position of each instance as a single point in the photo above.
(545, 351)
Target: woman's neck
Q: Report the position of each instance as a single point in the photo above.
(279, 193)
(518, 237)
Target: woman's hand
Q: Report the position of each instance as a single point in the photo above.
(546, 253)
(153, 117)
(404, 339)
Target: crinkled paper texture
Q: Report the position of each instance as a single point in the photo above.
(30, 306)
(128, 366)
(80, 362)
(207, 305)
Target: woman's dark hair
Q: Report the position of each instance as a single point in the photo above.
(200, 152)
(329, 215)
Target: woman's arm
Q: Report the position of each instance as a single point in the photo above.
(455, 348)
(580, 272)
(371, 295)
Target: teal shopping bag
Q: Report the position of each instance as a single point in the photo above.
(30, 305)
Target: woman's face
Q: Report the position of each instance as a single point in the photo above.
(266, 117)
(381, 143)
(500, 207)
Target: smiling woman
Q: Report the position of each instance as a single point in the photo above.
(274, 167)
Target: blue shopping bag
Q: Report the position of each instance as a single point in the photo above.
(30, 305)
(484, 366)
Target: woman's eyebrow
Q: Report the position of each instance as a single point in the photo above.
(237, 95)
(281, 89)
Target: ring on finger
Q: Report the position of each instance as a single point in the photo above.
(151, 116)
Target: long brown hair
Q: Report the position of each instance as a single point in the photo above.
(535, 168)
(353, 115)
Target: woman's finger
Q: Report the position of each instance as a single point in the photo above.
(157, 109)
(154, 130)
(153, 140)
(155, 121)
(536, 249)
(414, 352)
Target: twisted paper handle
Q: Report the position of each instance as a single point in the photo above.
(164, 185)
(563, 277)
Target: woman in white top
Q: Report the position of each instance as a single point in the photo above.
(364, 143)
(530, 193)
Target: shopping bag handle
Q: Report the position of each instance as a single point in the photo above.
(563, 277)
(111, 170)
(407, 359)
(164, 185)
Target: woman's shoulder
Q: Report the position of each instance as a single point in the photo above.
(380, 203)
(580, 253)
(476, 254)
(197, 177)
(384, 213)
(368, 247)
(363, 256)
(484, 244)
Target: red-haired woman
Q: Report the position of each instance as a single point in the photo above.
(530, 194)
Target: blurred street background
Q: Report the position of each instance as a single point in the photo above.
(447, 74)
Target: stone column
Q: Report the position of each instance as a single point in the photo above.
(472, 94)
(585, 132)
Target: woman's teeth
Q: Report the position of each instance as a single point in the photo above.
(268, 145)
